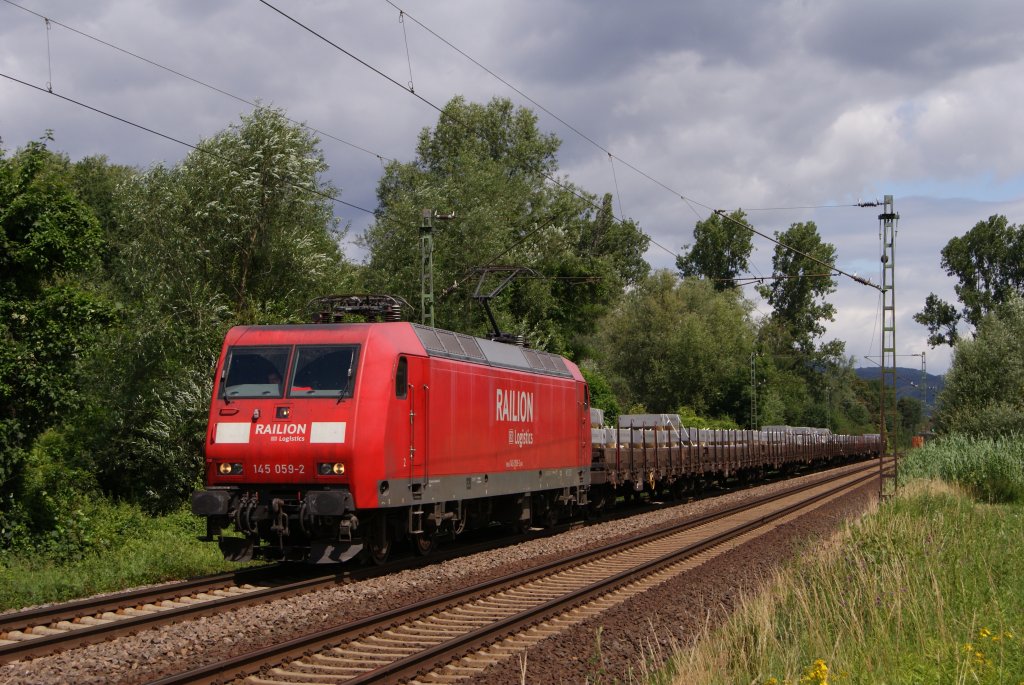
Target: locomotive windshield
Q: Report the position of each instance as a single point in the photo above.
(316, 371)
(255, 372)
(324, 371)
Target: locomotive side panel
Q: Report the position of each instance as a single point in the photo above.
(479, 431)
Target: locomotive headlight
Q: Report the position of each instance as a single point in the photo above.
(331, 469)
(229, 469)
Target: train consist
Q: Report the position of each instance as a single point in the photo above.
(330, 441)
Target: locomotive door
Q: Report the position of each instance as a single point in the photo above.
(583, 402)
(419, 424)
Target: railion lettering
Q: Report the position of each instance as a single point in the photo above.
(281, 429)
(513, 405)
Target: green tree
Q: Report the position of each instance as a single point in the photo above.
(492, 167)
(679, 343)
(988, 263)
(241, 231)
(721, 249)
(911, 414)
(48, 317)
(984, 389)
(802, 282)
(602, 396)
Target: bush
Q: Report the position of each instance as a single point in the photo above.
(117, 546)
(58, 513)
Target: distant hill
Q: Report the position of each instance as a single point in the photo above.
(908, 382)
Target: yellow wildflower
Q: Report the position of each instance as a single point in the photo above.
(816, 674)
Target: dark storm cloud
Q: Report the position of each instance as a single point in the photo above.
(580, 41)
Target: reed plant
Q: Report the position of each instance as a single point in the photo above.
(990, 468)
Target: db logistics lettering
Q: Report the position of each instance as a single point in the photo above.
(520, 438)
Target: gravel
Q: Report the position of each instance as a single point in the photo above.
(667, 615)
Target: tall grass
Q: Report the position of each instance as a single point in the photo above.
(925, 590)
(990, 468)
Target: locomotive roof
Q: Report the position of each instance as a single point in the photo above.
(441, 343)
(435, 341)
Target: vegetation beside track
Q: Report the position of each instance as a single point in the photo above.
(925, 589)
(111, 548)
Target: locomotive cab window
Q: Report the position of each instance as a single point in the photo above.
(324, 371)
(402, 378)
(254, 372)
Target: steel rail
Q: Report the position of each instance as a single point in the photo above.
(90, 606)
(91, 634)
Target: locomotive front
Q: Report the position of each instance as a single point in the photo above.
(278, 455)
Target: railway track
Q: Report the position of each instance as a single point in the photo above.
(53, 628)
(458, 635)
(46, 630)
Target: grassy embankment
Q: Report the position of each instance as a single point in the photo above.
(109, 548)
(927, 589)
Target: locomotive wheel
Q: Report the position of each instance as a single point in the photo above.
(379, 546)
(424, 543)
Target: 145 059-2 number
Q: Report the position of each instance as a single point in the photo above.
(281, 469)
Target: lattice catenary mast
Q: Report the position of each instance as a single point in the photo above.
(887, 222)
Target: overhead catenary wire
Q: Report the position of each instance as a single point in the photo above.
(198, 148)
(820, 262)
(747, 280)
(193, 79)
(689, 201)
(221, 91)
(554, 181)
(409, 88)
(408, 55)
(568, 125)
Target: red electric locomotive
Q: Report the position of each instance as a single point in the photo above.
(330, 440)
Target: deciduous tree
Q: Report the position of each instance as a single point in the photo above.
(48, 317)
(797, 295)
(720, 251)
(492, 167)
(241, 231)
(988, 263)
(677, 343)
(984, 389)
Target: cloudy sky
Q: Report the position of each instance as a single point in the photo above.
(792, 110)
